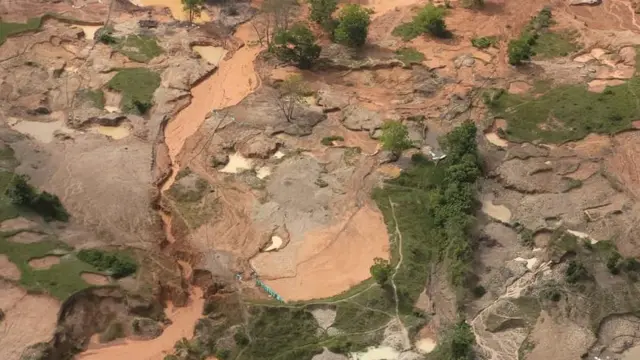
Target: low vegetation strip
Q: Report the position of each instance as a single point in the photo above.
(434, 205)
(567, 112)
(9, 28)
(116, 264)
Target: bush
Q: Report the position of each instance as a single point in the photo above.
(119, 265)
(612, 262)
(395, 137)
(457, 343)
(380, 270)
(328, 140)
(321, 11)
(297, 45)
(47, 205)
(484, 42)
(353, 26)
(479, 291)
(431, 20)
(519, 50)
(576, 272)
(105, 36)
(241, 339)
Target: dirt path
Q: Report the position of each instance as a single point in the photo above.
(405, 334)
(183, 320)
(230, 83)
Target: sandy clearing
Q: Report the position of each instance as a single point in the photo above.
(89, 30)
(380, 7)
(498, 212)
(236, 164)
(276, 242)
(331, 260)
(18, 223)
(44, 262)
(376, 353)
(496, 140)
(26, 237)
(95, 279)
(29, 319)
(425, 345)
(239, 78)
(8, 270)
(183, 323)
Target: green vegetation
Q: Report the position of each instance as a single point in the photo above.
(23, 195)
(433, 206)
(117, 264)
(455, 344)
(296, 45)
(193, 8)
(409, 55)
(567, 112)
(353, 25)
(328, 140)
(555, 44)
(8, 28)
(485, 42)
(137, 86)
(430, 20)
(322, 11)
(576, 272)
(140, 48)
(60, 280)
(381, 270)
(96, 97)
(395, 137)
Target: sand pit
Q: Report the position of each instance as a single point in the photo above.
(328, 261)
(95, 279)
(183, 323)
(236, 164)
(212, 54)
(8, 270)
(29, 319)
(45, 262)
(26, 237)
(176, 8)
(18, 223)
(377, 353)
(263, 172)
(238, 75)
(498, 212)
(114, 132)
(276, 242)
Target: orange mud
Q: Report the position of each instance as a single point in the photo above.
(183, 323)
(233, 81)
(332, 260)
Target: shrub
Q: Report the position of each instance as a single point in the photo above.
(395, 137)
(297, 45)
(576, 272)
(431, 20)
(321, 11)
(612, 262)
(409, 55)
(241, 339)
(484, 42)
(479, 291)
(328, 140)
(519, 50)
(45, 204)
(119, 265)
(353, 26)
(457, 343)
(380, 270)
(105, 36)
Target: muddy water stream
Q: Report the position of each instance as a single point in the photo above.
(183, 322)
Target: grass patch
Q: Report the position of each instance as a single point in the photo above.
(485, 42)
(550, 45)
(567, 112)
(406, 31)
(95, 97)
(137, 86)
(352, 318)
(8, 28)
(328, 140)
(60, 280)
(140, 48)
(409, 55)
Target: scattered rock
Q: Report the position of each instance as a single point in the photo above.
(113, 119)
(219, 159)
(146, 328)
(359, 119)
(426, 82)
(386, 156)
(259, 146)
(464, 60)
(331, 100)
(148, 23)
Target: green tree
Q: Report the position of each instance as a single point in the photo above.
(321, 11)
(193, 8)
(297, 45)
(431, 20)
(380, 270)
(353, 26)
(395, 137)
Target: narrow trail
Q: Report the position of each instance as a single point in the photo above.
(405, 334)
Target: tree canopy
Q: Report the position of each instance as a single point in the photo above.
(297, 45)
(353, 26)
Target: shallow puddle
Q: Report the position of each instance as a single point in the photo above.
(498, 212)
(41, 131)
(213, 54)
(114, 132)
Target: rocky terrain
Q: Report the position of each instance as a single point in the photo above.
(165, 197)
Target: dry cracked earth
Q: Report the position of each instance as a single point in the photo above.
(213, 187)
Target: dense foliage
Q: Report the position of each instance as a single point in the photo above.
(380, 270)
(430, 20)
(395, 137)
(353, 26)
(47, 205)
(119, 265)
(321, 12)
(297, 45)
(456, 344)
